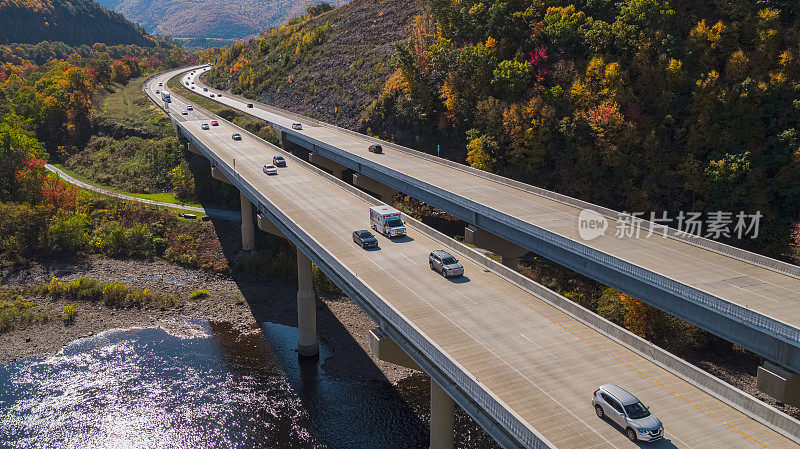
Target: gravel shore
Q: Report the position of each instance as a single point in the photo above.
(341, 325)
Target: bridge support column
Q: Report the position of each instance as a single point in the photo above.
(386, 193)
(336, 168)
(219, 176)
(181, 139)
(248, 230)
(192, 149)
(509, 252)
(267, 226)
(780, 383)
(442, 417)
(281, 135)
(307, 343)
(384, 348)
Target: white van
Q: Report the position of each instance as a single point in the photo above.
(387, 221)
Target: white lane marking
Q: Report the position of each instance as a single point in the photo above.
(753, 293)
(672, 436)
(465, 296)
(650, 255)
(407, 258)
(538, 346)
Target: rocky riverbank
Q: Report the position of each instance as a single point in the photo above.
(242, 302)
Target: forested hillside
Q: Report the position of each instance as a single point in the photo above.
(232, 19)
(330, 65)
(640, 105)
(47, 113)
(73, 22)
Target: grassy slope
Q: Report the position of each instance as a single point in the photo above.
(132, 147)
(336, 79)
(166, 197)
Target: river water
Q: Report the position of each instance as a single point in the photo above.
(207, 386)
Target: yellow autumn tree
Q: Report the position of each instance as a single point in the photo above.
(478, 155)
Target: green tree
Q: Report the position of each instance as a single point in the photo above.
(69, 231)
(16, 146)
(182, 180)
(318, 9)
(511, 78)
(566, 27)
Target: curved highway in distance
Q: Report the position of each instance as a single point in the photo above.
(750, 300)
(537, 360)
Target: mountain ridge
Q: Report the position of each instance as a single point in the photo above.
(74, 22)
(205, 18)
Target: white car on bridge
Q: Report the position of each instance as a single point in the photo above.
(628, 412)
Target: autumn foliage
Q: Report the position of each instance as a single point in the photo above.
(633, 105)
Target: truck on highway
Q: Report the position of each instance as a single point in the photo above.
(165, 97)
(387, 221)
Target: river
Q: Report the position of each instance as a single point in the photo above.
(207, 385)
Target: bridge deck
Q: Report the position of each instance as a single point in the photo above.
(541, 362)
(765, 291)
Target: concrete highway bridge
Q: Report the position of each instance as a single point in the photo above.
(518, 358)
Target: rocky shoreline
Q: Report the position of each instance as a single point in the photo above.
(244, 303)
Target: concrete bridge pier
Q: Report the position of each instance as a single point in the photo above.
(386, 193)
(442, 405)
(248, 230)
(779, 382)
(307, 343)
(192, 149)
(442, 417)
(267, 226)
(336, 168)
(508, 252)
(281, 135)
(219, 176)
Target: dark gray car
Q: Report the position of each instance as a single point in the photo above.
(445, 264)
(365, 239)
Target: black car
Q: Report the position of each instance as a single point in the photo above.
(278, 161)
(249, 105)
(377, 149)
(365, 239)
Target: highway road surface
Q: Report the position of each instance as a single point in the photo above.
(758, 292)
(539, 361)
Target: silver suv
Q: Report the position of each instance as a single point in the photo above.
(445, 264)
(624, 409)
